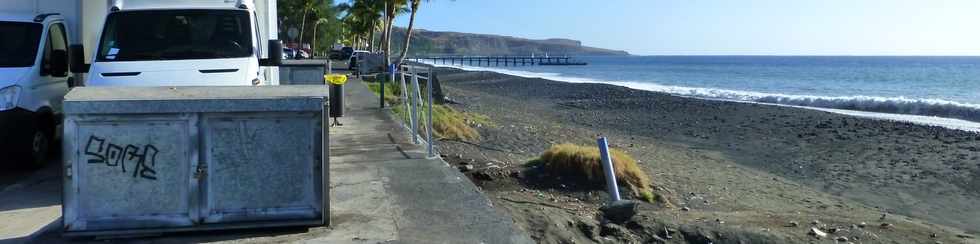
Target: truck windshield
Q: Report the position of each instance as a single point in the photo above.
(18, 43)
(175, 34)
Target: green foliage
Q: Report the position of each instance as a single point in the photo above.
(648, 196)
(328, 32)
(392, 92)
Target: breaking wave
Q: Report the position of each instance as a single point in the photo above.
(893, 105)
(886, 105)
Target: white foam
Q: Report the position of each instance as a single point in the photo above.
(935, 112)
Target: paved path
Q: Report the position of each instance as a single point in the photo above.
(379, 177)
(31, 206)
(382, 190)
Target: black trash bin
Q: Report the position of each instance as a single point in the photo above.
(336, 101)
(336, 96)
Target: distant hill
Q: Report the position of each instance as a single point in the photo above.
(426, 42)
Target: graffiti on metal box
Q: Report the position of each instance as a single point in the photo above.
(141, 160)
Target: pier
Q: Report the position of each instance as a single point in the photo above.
(499, 60)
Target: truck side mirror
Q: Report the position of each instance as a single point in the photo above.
(275, 54)
(77, 55)
(59, 63)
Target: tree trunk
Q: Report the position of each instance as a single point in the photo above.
(408, 33)
(302, 26)
(387, 41)
(371, 41)
(313, 43)
(384, 22)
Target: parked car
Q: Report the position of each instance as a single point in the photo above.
(288, 53)
(153, 43)
(336, 55)
(352, 61)
(302, 54)
(34, 77)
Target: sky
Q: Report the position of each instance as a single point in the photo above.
(724, 27)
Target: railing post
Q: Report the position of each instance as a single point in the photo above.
(391, 74)
(607, 167)
(408, 106)
(428, 121)
(416, 99)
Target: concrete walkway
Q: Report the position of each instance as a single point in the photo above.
(380, 180)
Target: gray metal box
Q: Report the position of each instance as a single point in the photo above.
(303, 72)
(160, 159)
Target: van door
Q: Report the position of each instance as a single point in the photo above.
(52, 85)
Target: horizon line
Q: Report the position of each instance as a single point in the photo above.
(815, 55)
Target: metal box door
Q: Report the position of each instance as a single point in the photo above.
(261, 166)
(130, 172)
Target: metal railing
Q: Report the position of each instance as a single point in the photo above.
(412, 100)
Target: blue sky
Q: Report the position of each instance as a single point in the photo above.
(728, 27)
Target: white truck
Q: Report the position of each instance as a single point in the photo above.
(179, 43)
(34, 76)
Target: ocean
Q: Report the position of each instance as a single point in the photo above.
(943, 91)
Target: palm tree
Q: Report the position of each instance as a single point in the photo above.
(361, 18)
(307, 5)
(313, 43)
(392, 9)
(408, 32)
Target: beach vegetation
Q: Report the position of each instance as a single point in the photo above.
(585, 162)
(391, 91)
(447, 123)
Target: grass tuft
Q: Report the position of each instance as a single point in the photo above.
(451, 124)
(582, 161)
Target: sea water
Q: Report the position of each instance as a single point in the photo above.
(941, 91)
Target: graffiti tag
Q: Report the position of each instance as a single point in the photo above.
(142, 160)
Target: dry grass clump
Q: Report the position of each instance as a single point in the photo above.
(575, 160)
(451, 124)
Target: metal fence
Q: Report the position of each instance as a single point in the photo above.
(413, 101)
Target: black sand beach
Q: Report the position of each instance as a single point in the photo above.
(733, 171)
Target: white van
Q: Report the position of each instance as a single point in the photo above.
(34, 78)
(183, 43)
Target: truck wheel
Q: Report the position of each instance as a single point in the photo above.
(40, 143)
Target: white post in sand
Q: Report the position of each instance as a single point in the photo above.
(607, 166)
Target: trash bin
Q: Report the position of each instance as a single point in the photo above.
(163, 159)
(336, 101)
(336, 95)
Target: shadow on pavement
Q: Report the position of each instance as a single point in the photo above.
(53, 235)
(31, 188)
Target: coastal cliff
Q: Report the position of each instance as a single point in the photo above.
(425, 42)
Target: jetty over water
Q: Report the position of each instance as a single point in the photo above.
(499, 60)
